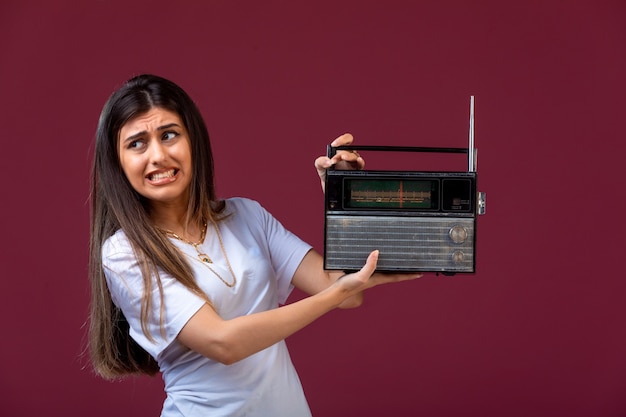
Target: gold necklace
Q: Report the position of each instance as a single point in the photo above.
(203, 257)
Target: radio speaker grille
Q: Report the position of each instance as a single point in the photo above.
(405, 243)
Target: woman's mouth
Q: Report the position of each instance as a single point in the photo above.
(157, 176)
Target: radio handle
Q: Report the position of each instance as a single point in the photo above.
(332, 150)
(471, 151)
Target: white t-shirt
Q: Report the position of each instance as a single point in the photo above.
(264, 257)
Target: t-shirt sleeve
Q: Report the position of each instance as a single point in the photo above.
(126, 285)
(286, 250)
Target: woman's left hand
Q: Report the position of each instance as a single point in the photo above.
(342, 160)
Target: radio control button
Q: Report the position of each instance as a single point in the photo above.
(458, 234)
(458, 256)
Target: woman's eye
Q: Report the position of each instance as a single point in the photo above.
(169, 135)
(136, 144)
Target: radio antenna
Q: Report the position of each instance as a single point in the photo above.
(471, 150)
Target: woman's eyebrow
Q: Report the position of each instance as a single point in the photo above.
(143, 132)
(167, 126)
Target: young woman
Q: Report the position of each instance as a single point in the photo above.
(190, 285)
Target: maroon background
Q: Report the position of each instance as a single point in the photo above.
(539, 330)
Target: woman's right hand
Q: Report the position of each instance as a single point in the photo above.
(367, 278)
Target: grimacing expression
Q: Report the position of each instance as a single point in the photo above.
(155, 154)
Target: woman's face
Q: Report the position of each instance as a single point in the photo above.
(155, 154)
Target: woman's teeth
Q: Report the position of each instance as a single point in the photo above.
(162, 175)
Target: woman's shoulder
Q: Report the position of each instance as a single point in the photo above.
(242, 204)
(242, 210)
(116, 243)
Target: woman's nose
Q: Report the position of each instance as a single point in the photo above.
(157, 152)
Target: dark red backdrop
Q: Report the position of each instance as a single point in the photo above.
(538, 331)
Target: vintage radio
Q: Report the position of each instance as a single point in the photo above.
(419, 221)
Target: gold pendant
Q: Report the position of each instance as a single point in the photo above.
(204, 258)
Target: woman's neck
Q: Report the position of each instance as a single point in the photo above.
(173, 218)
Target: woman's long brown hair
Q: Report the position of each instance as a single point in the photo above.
(116, 205)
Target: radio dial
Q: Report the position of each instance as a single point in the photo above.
(458, 234)
(457, 256)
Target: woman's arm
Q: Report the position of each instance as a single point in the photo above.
(229, 341)
(311, 278)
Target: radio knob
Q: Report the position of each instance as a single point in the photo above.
(457, 256)
(458, 234)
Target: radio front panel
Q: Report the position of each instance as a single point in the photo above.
(419, 221)
(406, 243)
